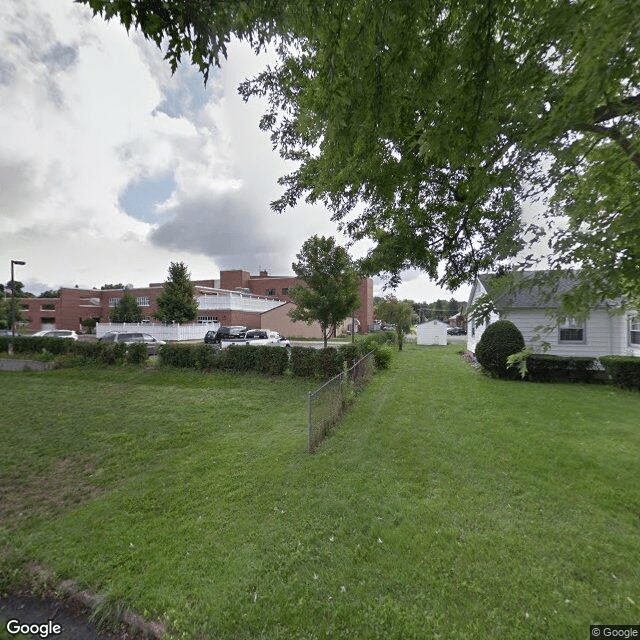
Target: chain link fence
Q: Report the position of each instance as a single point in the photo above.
(328, 403)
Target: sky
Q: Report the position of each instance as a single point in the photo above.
(111, 168)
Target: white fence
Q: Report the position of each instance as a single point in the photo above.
(168, 332)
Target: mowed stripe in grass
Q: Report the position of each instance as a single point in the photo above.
(446, 505)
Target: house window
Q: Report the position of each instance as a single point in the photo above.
(271, 292)
(285, 291)
(634, 330)
(113, 302)
(143, 301)
(571, 331)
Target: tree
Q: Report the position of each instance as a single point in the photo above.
(423, 126)
(127, 309)
(177, 301)
(331, 283)
(50, 293)
(112, 286)
(399, 313)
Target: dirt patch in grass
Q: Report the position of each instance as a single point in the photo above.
(44, 494)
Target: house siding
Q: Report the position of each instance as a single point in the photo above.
(606, 332)
(475, 329)
(600, 333)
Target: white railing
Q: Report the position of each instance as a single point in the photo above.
(237, 302)
(167, 332)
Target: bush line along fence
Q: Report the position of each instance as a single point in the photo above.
(302, 361)
(327, 404)
(77, 352)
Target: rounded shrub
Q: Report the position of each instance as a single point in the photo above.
(499, 341)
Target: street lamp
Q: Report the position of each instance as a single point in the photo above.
(13, 299)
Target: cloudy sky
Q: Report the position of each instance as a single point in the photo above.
(111, 168)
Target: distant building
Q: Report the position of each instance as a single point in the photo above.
(237, 298)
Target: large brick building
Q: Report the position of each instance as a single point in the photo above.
(237, 298)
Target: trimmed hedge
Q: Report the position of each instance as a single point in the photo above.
(624, 370)
(100, 352)
(303, 362)
(551, 368)
(204, 357)
(499, 341)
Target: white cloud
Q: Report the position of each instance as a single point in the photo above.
(88, 111)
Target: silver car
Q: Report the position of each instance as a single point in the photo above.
(131, 338)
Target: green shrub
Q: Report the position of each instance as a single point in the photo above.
(206, 357)
(272, 360)
(350, 353)
(303, 362)
(499, 340)
(178, 355)
(240, 357)
(624, 370)
(551, 368)
(382, 356)
(137, 353)
(328, 363)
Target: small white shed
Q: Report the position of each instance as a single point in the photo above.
(432, 332)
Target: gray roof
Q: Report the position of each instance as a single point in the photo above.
(529, 289)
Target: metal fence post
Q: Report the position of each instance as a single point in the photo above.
(309, 420)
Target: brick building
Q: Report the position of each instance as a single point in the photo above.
(237, 298)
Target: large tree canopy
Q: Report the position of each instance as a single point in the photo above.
(441, 118)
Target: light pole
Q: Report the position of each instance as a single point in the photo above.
(13, 299)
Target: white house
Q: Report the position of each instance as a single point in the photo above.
(607, 330)
(431, 332)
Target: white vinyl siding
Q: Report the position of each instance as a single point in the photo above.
(599, 329)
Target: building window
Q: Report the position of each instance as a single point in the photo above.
(270, 292)
(285, 291)
(571, 331)
(634, 330)
(206, 319)
(48, 307)
(143, 301)
(113, 302)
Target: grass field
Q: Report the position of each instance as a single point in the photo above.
(447, 504)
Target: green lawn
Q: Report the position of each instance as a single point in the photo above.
(447, 504)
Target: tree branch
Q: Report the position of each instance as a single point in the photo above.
(620, 108)
(614, 134)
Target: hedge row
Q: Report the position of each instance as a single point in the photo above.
(305, 362)
(550, 368)
(271, 360)
(624, 370)
(99, 352)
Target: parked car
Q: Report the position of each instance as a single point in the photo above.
(224, 333)
(55, 333)
(257, 337)
(456, 331)
(131, 338)
(265, 337)
(5, 332)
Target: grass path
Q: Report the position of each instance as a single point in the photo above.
(447, 505)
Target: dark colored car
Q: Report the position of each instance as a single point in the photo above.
(224, 333)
